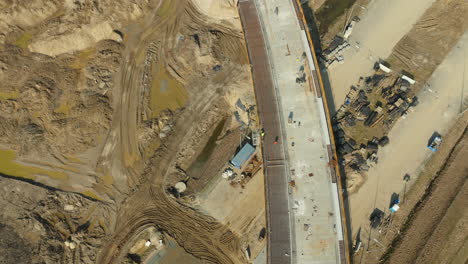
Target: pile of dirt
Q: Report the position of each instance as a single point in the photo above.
(46, 226)
(52, 97)
(58, 27)
(110, 118)
(13, 248)
(430, 40)
(56, 103)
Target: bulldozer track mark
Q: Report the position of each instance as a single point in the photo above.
(147, 204)
(436, 182)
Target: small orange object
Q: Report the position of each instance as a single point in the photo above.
(276, 142)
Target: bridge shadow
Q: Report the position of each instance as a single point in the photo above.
(328, 90)
(313, 28)
(315, 35)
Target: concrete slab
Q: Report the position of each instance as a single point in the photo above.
(279, 249)
(305, 139)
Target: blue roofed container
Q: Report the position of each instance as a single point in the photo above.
(243, 155)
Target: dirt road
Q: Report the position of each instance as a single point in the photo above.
(120, 152)
(437, 111)
(436, 230)
(119, 120)
(149, 204)
(199, 234)
(382, 25)
(393, 229)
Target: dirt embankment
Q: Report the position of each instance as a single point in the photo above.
(420, 52)
(439, 219)
(57, 93)
(431, 224)
(51, 97)
(46, 226)
(199, 234)
(430, 40)
(327, 18)
(55, 107)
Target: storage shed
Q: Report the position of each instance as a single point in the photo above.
(243, 155)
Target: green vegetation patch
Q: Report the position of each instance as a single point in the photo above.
(12, 168)
(8, 95)
(24, 40)
(330, 11)
(64, 108)
(91, 194)
(82, 58)
(166, 92)
(164, 8)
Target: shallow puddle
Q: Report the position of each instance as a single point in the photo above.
(166, 92)
(173, 253)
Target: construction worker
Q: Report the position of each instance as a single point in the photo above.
(262, 132)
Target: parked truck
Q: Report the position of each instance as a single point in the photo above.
(435, 142)
(290, 117)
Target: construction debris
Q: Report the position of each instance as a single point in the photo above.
(406, 78)
(384, 68)
(249, 170)
(334, 54)
(384, 141)
(369, 109)
(228, 173)
(376, 218)
(301, 79)
(349, 28)
(240, 105)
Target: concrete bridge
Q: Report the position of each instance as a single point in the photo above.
(305, 208)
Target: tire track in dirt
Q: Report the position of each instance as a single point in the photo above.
(198, 234)
(148, 203)
(429, 212)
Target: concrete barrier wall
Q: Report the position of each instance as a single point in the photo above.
(326, 115)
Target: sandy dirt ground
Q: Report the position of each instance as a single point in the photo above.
(243, 209)
(421, 50)
(36, 222)
(407, 152)
(316, 4)
(382, 25)
(199, 234)
(442, 216)
(140, 100)
(452, 226)
(434, 210)
(171, 253)
(225, 10)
